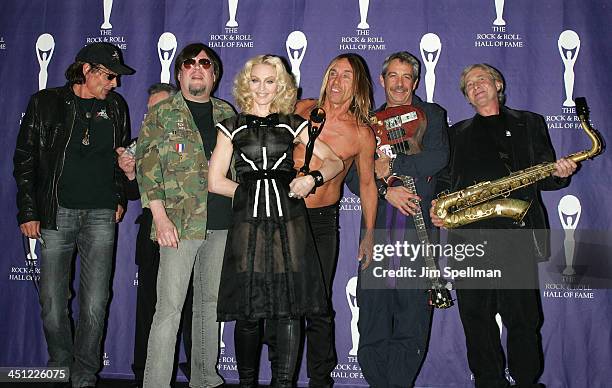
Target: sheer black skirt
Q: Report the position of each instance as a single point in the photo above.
(267, 272)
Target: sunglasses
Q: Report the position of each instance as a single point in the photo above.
(109, 76)
(204, 62)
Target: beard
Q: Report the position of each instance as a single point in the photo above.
(197, 90)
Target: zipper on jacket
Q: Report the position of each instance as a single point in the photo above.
(56, 181)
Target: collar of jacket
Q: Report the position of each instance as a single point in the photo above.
(67, 93)
(178, 102)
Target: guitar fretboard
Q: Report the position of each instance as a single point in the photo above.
(421, 229)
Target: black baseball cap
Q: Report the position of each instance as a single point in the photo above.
(105, 54)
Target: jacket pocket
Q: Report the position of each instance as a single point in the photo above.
(49, 132)
(181, 151)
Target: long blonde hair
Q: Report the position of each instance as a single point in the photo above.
(284, 102)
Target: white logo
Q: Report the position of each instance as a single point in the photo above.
(106, 359)
(233, 6)
(166, 47)
(32, 247)
(569, 46)
(499, 12)
(500, 324)
(296, 48)
(45, 44)
(351, 298)
(569, 214)
(221, 343)
(108, 7)
(430, 52)
(363, 14)
(102, 113)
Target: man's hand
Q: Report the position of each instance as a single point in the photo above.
(30, 229)
(366, 249)
(437, 221)
(119, 213)
(166, 233)
(402, 198)
(127, 163)
(564, 168)
(381, 165)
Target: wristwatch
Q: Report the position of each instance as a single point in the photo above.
(382, 191)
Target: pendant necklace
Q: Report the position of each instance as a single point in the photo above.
(88, 116)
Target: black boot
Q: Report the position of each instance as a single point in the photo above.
(288, 332)
(247, 342)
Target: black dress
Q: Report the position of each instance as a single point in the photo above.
(267, 272)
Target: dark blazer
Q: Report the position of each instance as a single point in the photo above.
(530, 145)
(423, 166)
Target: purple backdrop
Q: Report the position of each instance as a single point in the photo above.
(550, 51)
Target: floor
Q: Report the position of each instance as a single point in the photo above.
(103, 383)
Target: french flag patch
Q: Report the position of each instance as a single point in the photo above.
(179, 147)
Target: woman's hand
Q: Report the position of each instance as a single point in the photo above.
(301, 186)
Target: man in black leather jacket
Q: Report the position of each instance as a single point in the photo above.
(70, 193)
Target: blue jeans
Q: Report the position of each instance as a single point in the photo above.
(92, 232)
(205, 258)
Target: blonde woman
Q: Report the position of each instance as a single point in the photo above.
(267, 274)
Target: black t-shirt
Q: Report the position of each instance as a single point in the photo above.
(488, 157)
(219, 206)
(87, 177)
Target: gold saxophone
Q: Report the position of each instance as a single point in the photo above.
(489, 199)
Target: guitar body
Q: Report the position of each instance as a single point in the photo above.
(439, 295)
(399, 129)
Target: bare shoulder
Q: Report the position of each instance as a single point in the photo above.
(367, 142)
(365, 131)
(303, 107)
(365, 136)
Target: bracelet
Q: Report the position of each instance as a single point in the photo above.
(318, 178)
(391, 161)
(382, 191)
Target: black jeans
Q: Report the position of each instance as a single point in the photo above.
(520, 311)
(321, 358)
(393, 332)
(147, 259)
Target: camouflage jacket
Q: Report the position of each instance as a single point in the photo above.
(171, 164)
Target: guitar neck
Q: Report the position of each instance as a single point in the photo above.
(421, 228)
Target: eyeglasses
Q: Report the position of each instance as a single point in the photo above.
(204, 62)
(109, 76)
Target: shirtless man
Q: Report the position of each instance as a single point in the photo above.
(345, 96)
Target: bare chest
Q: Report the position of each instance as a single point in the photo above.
(343, 141)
